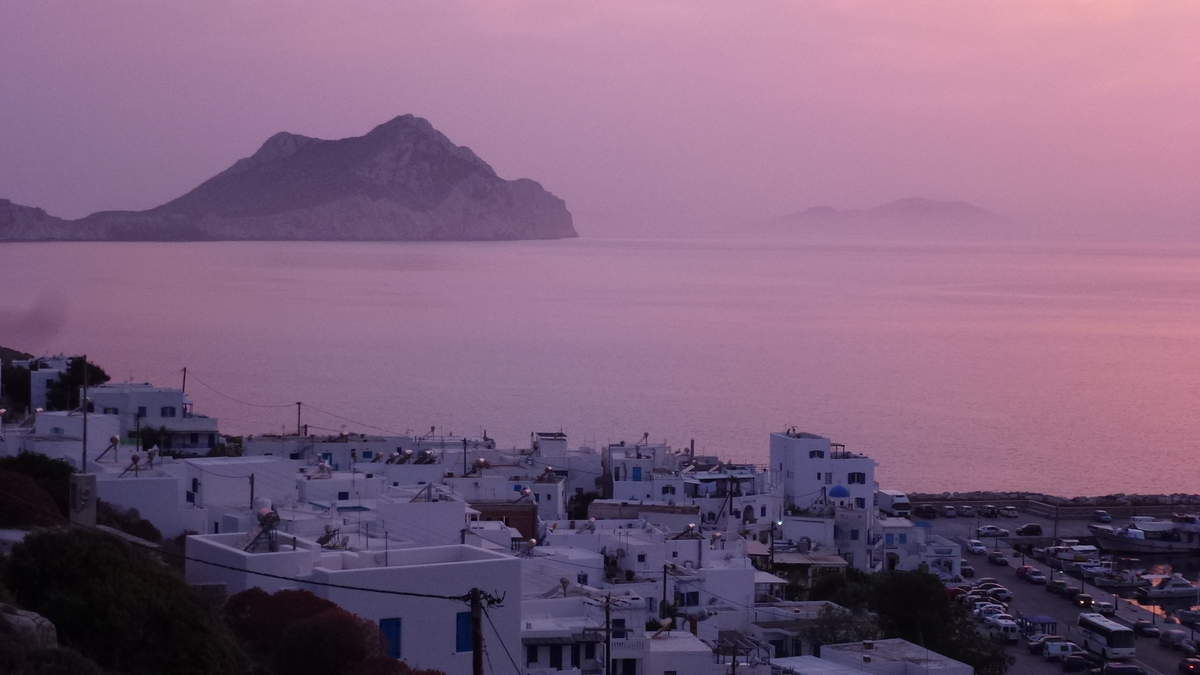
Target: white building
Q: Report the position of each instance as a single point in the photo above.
(42, 371)
(147, 406)
(893, 657)
(424, 632)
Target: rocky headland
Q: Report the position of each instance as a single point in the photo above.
(402, 181)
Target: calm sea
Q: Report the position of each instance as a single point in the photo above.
(1064, 368)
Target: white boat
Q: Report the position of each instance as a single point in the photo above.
(1144, 534)
(1174, 586)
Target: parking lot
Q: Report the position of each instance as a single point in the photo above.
(1033, 599)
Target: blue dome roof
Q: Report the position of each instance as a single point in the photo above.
(839, 492)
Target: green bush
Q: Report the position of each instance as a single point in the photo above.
(117, 605)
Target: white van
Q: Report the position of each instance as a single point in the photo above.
(1004, 630)
(1057, 651)
(893, 503)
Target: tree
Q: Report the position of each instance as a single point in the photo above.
(834, 625)
(24, 504)
(259, 619)
(126, 520)
(577, 505)
(14, 382)
(118, 606)
(332, 642)
(52, 475)
(63, 393)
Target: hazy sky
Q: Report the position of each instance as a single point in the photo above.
(656, 115)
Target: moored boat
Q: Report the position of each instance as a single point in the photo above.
(1174, 586)
(1144, 534)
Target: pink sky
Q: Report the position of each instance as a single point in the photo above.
(662, 115)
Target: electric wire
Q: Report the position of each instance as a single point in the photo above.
(488, 616)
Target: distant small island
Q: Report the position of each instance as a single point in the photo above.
(907, 211)
(402, 181)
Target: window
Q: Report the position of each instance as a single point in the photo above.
(194, 439)
(343, 495)
(391, 636)
(903, 538)
(857, 477)
(853, 535)
(641, 557)
(463, 636)
(668, 489)
(828, 478)
(889, 539)
(556, 656)
(111, 411)
(575, 656)
(167, 411)
(581, 578)
(589, 650)
(618, 628)
(367, 454)
(860, 502)
(816, 454)
(530, 654)
(762, 512)
(674, 554)
(141, 411)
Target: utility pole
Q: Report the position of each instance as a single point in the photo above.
(464, 456)
(85, 410)
(184, 388)
(476, 632)
(662, 607)
(251, 491)
(298, 427)
(608, 634)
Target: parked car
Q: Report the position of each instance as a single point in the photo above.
(1035, 577)
(1056, 651)
(1112, 668)
(1083, 600)
(1009, 512)
(983, 581)
(1058, 587)
(1003, 630)
(1173, 638)
(1001, 594)
(1189, 665)
(1146, 628)
(925, 511)
(966, 571)
(991, 531)
(949, 511)
(1104, 607)
(989, 511)
(975, 546)
(1036, 642)
(1081, 662)
(1101, 516)
(966, 511)
(1029, 530)
(998, 558)
(1024, 570)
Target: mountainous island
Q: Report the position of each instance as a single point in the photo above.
(402, 181)
(910, 210)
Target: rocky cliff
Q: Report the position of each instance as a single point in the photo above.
(404, 180)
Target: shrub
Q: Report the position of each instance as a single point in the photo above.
(118, 606)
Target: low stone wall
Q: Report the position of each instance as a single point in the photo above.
(1051, 506)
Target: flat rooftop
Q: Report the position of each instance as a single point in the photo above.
(892, 650)
(811, 665)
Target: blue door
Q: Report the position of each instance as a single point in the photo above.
(637, 473)
(391, 636)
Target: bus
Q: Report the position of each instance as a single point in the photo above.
(1106, 637)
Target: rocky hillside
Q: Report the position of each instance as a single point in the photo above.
(404, 180)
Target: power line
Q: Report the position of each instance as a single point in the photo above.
(218, 392)
(488, 616)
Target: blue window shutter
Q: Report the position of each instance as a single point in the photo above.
(391, 635)
(463, 641)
